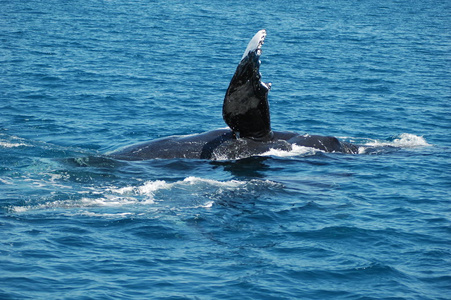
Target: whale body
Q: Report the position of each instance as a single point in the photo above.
(246, 112)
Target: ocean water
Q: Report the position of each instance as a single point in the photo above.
(79, 79)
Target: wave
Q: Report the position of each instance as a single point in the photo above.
(401, 141)
(191, 192)
(404, 140)
(295, 151)
(11, 141)
(11, 145)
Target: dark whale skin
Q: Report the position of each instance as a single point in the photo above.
(246, 112)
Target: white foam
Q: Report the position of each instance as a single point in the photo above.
(19, 209)
(107, 201)
(361, 150)
(11, 145)
(295, 151)
(6, 181)
(148, 193)
(410, 140)
(11, 141)
(106, 215)
(229, 184)
(149, 188)
(207, 205)
(404, 140)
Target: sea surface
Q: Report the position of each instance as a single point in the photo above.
(80, 79)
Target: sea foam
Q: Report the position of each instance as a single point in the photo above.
(148, 193)
(295, 151)
(403, 140)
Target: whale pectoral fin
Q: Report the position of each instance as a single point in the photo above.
(246, 107)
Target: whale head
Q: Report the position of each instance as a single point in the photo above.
(246, 107)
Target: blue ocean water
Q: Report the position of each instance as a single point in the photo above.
(79, 79)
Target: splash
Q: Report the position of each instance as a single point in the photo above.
(202, 181)
(408, 140)
(295, 151)
(11, 145)
(189, 193)
(404, 140)
(11, 141)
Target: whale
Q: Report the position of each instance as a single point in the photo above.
(246, 112)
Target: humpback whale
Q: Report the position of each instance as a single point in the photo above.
(246, 112)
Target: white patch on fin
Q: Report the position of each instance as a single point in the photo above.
(256, 43)
(267, 85)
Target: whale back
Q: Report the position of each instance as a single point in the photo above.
(246, 107)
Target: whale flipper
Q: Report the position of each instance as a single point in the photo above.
(246, 107)
(246, 112)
